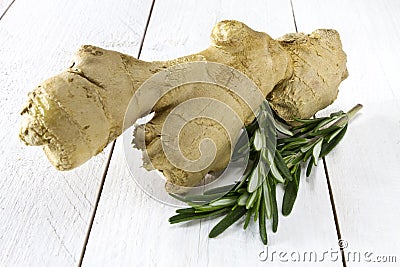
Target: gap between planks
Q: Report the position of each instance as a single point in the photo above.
(7, 8)
(332, 200)
(328, 182)
(103, 178)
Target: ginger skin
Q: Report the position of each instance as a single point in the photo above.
(75, 114)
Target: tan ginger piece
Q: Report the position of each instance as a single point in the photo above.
(75, 114)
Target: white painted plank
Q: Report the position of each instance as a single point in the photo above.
(364, 169)
(132, 229)
(186, 31)
(44, 214)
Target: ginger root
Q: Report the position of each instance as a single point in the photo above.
(75, 114)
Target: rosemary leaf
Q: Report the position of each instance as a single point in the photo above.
(266, 198)
(302, 140)
(307, 155)
(243, 199)
(258, 140)
(295, 144)
(207, 208)
(282, 167)
(276, 173)
(186, 211)
(219, 190)
(289, 197)
(282, 128)
(332, 136)
(201, 198)
(227, 221)
(251, 200)
(188, 217)
(325, 122)
(258, 201)
(325, 131)
(290, 194)
(225, 201)
(317, 150)
(247, 220)
(274, 208)
(254, 180)
(327, 147)
(178, 197)
(309, 167)
(262, 225)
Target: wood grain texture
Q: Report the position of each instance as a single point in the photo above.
(130, 228)
(44, 214)
(364, 169)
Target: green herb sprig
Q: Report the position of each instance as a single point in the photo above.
(270, 163)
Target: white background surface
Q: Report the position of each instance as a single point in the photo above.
(46, 215)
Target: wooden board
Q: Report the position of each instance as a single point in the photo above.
(130, 228)
(44, 214)
(364, 169)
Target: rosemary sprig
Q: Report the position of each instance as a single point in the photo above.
(254, 195)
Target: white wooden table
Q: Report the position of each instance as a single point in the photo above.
(95, 215)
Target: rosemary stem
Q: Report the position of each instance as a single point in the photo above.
(354, 110)
(313, 138)
(349, 115)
